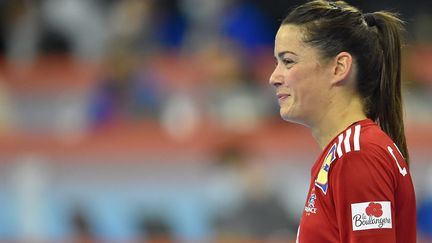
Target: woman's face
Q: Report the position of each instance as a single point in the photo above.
(301, 78)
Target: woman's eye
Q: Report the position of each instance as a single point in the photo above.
(287, 61)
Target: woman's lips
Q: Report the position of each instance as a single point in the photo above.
(282, 97)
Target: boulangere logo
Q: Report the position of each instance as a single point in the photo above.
(371, 215)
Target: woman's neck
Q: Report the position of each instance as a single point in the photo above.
(336, 120)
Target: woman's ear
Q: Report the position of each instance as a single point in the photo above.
(342, 67)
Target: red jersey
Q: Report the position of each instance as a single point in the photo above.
(361, 191)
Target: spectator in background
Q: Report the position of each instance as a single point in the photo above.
(232, 98)
(170, 24)
(204, 26)
(155, 230)
(73, 27)
(128, 90)
(82, 232)
(22, 27)
(245, 24)
(424, 211)
(6, 108)
(80, 23)
(237, 21)
(131, 22)
(252, 211)
(424, 215)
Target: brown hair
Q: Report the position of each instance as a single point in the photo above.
(374, 41)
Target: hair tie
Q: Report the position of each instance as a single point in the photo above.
(334, 6)
(370, 19)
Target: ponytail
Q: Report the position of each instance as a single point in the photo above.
(386, 108)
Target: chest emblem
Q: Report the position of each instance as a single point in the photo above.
(310, 205)
(322, 179)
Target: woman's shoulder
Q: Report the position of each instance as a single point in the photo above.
(360, 139)
(371, 157)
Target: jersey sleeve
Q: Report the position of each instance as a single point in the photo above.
(362, 186)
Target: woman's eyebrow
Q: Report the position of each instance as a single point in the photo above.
(282, 53)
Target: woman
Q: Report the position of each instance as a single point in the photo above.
(338, 72)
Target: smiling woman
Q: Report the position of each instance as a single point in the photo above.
(338, 72)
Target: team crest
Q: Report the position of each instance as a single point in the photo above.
(322, 179)
(310, 208)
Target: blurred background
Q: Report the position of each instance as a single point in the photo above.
(153, 121)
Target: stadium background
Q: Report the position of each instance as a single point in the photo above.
(153, 121)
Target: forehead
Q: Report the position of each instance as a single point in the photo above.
(289, 36)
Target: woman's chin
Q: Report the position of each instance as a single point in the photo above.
(289, 117)
(286, 113)
(286, 116)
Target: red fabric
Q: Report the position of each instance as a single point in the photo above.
(367, 175)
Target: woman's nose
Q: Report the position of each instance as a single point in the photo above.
(275, 78)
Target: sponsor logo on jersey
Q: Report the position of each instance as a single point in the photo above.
(371, 215)
(322, 179)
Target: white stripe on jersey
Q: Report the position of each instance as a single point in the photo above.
(347, 141)
(339, 149)
(403, 171)
(357, 138)
(398, 150)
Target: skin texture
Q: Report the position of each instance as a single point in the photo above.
(314, 91)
